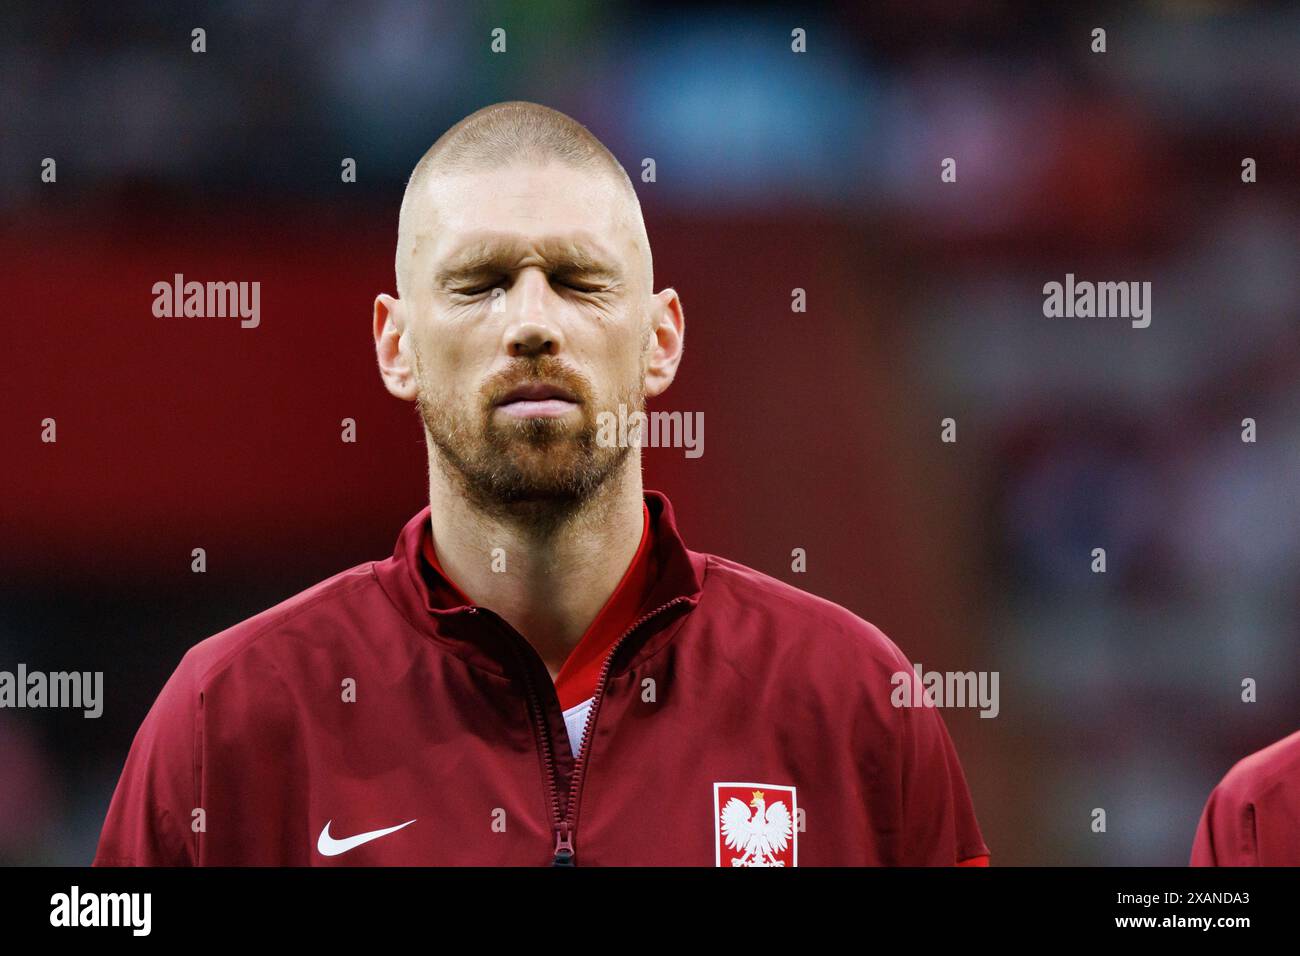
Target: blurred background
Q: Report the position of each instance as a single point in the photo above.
(775, 171)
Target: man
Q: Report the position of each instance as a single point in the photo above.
(1252, 817)
(542, 672)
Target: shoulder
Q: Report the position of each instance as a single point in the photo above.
(761, 606)
(1245, 817)
(1274, 768)
(317, 616)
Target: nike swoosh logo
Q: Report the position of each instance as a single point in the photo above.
(328, 846)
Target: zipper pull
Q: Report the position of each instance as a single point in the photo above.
(563, 848)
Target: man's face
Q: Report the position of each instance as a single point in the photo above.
(528, 300)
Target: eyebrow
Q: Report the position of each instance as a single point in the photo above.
(564, 256)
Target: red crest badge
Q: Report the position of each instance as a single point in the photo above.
(755, 824)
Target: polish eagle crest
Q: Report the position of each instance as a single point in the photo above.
(757, 834)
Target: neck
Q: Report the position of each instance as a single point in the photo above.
(560, 569)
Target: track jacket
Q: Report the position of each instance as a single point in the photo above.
(372, 720)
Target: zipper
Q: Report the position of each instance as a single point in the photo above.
(565, 824)
(563, 846)
(570, 822)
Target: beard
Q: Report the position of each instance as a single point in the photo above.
(539, 469)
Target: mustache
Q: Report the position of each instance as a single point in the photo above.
(542, 370)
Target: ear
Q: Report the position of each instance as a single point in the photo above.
(668, 341)
(394, 363)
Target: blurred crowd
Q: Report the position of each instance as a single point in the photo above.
(1120, 690)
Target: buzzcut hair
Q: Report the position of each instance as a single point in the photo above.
(502, 134)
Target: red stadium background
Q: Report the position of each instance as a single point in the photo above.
(821, 428)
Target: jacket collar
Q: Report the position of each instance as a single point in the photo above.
(405, 578)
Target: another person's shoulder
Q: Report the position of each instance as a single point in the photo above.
(1248, 817)
(1263, 772)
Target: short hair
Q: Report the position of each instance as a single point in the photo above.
(505, 133)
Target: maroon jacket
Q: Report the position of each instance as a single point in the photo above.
(1252, 817)
(740, 721)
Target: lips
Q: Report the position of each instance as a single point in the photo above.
(538, 392)
(537, 400)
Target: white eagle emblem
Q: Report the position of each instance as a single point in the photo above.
(760, 833)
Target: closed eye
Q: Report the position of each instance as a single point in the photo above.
(580, 287)
(574, 285)
(477, 290)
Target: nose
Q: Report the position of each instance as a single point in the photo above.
(530, 338)
(532, 329)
